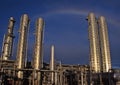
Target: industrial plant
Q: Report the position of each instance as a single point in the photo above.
(37, 72)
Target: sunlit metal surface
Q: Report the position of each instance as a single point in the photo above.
(22, 44)
(104, 42)
(52, 64)
(38, 49)
(38, 44)
(8, 41)
(56, 73)
(94, 43)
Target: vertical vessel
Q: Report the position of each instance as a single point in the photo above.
(8, 41)
(52, 64)
(22, 44)
(94, 43)
(104, 43)
(37, 63)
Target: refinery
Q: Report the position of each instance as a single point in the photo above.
(99, 71)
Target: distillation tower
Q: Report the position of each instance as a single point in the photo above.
(104, 43)
(37, 63)
(52, 64)
(37, 72)
(22, 44)
(94, 43)
(8, 41)
(99, 44)
(100, 60)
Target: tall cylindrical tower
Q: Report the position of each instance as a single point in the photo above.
(8, 41)
(37, 63)
(104, 42)
(52, 64)
(22, 44)
(94, 43)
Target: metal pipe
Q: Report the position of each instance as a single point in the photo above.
(82, 79)
(22, 44)
(37, 63)
(104, 43)
(2, 47)
(8, 41)
(94, 43)
(56, 78)
(52, 64)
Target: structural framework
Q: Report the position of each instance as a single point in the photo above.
(37, 72)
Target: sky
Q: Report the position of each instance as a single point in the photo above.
(65, 26)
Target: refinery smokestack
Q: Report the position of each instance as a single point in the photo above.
(52, 64)
(104, 42)
(8, 41)
(22, 44)
(37, 63)
(94, 43)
